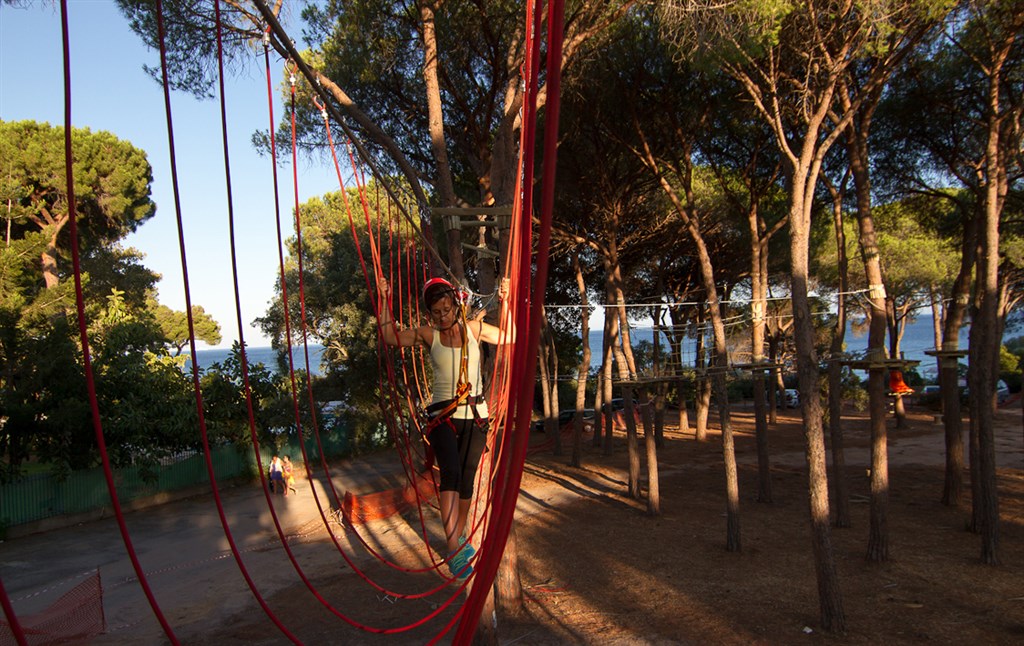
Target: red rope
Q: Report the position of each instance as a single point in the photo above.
(243, 362)
(12, 617)
(510, 473)
(84, 336)
(348, 560)
(304, 330)
(304, 324)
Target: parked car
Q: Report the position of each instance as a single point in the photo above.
(619, 403)
(566, 416)
(791, 397)
(1002, 392)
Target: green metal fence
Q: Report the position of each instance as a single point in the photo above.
(38, 497)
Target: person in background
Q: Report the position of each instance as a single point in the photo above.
(288, 475)
(458, 416)
(277, 476)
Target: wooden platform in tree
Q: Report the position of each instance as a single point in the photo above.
(947, 354)
(758, 367)
(875, 364)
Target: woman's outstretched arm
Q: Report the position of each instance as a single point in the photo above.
(505, 332)
(389, 331)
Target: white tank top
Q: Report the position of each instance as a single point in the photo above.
(446, 363)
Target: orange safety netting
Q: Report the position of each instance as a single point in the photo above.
(359, 509)
(77, 615)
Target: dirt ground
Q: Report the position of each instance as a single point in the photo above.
(596, 569)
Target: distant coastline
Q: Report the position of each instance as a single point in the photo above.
(916, 340)
(265, 355)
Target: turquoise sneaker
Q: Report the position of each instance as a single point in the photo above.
(458, 564)
(467, 547)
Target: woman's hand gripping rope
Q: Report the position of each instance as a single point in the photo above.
(388, 327)
(502, 296)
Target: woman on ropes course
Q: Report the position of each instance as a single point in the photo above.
(458, 416)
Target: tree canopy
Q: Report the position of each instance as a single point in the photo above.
(112, 188)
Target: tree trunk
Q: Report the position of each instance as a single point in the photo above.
(949, 377)
(438, 140)
(720, 366)
(48, 258)
(625, 369)
(878, 538)
(938, 315)
(650, 443)
(551, 385)
(841, 494)
(640, 397)
(542, 379)
(702, 401)
(774, 382)
(757, 313)
(584, 369)
(676, 340)
(899, 410)
(660, 388)
(833, 616)
(508, 587)
(985, 336)
(606, 387)
(659, 414)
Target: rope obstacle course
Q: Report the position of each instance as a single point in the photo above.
(508, 455)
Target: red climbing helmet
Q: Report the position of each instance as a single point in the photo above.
(438, 286)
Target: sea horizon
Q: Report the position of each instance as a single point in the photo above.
(918, 338)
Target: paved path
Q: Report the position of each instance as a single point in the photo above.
(184, 552)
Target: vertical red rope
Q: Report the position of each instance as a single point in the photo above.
(509, 473)
(302, 319)
(12, 618)
(84, 334)
(243, 361)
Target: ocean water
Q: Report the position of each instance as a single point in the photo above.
(916, 340)
(265, 355)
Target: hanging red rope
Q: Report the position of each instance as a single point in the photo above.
(509, 473)
(495, 490)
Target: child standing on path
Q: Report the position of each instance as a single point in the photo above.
(289, 477)
(277, 476)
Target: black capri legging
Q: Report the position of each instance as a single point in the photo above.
(458, 445)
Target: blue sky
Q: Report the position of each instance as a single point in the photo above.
(110, 91)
